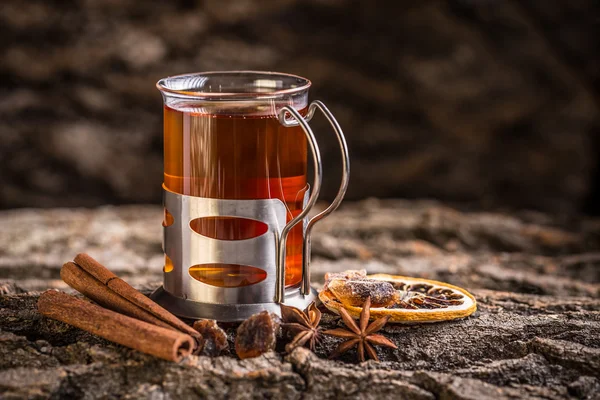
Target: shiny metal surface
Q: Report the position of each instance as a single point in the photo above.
(343, 185)
(186, 247)
(336, 201)
(228, 312)
(318, 177)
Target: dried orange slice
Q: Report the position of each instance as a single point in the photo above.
(417, 300)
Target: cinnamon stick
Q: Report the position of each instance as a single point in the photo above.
(123, 289)
(93, 289)
(164, 343)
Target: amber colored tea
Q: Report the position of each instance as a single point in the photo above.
(237, 157)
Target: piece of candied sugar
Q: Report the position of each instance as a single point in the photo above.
(350, 274)
(215, 338)
(355, 292)
(257, 335)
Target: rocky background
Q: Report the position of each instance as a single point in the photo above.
(485, 102)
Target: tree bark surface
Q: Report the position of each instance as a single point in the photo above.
(536, 334)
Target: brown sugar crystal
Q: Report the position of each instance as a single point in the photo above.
(355, 292)
(215, 338)
(257, 335)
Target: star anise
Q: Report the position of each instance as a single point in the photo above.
(303, 325)
(362, 335)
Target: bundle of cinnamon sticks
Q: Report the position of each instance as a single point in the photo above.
(123, 315)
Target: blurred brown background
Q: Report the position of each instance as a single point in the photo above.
(482, 102)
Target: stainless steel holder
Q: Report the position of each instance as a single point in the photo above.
(187, 297)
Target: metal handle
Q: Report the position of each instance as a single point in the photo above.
(312, 143)
(338, 198)
(305, 289)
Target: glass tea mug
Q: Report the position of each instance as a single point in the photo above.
(236, 234)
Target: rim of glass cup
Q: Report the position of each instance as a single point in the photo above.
(163, 85)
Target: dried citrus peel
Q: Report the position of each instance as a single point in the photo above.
(445, 312)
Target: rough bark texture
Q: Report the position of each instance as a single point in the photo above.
(535, 335)
(489, 101)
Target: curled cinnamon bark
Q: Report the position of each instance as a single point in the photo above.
(123, 289)
(158, 341)
(93, 289)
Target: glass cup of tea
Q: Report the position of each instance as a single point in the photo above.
(236, 195)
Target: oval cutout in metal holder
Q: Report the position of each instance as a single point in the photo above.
(167, 219)
(168, 265)
(227, 275)
(228, 228)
